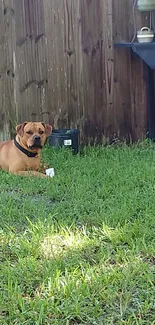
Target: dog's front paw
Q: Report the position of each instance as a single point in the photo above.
(46, 166)
(43, 168)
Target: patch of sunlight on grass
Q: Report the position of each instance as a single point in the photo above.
(57, 244)
(113, 234)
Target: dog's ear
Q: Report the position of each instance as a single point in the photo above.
(20, 128)
(48, 129)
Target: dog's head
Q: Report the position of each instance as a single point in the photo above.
(33, 134)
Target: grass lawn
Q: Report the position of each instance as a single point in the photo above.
(80, 248)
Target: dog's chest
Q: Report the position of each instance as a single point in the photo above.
(32, 163)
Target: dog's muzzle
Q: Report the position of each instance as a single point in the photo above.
(36, 143)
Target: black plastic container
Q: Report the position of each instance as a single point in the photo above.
(65, 138)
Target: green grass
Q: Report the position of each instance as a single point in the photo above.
(80, 248)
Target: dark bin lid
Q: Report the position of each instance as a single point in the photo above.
(61, 132)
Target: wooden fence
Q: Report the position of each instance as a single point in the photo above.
(58, 64)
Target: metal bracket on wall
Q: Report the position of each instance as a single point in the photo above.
(146, 51)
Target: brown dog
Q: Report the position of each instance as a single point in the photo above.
(22, 155)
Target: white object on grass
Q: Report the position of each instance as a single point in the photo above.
(50, 172)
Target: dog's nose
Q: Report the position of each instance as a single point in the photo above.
(37, 138)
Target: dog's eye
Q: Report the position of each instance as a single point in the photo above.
(29, 132)
(41, 132)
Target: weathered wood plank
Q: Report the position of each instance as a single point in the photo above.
(31, 60)
(95, 101)
(109, 68)
(122, 99)
(7, 73)
(138, 111)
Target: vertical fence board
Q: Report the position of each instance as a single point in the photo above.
(31, 60)
(95, 101)
(7, 74)
(57, 70)
(122, 98)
